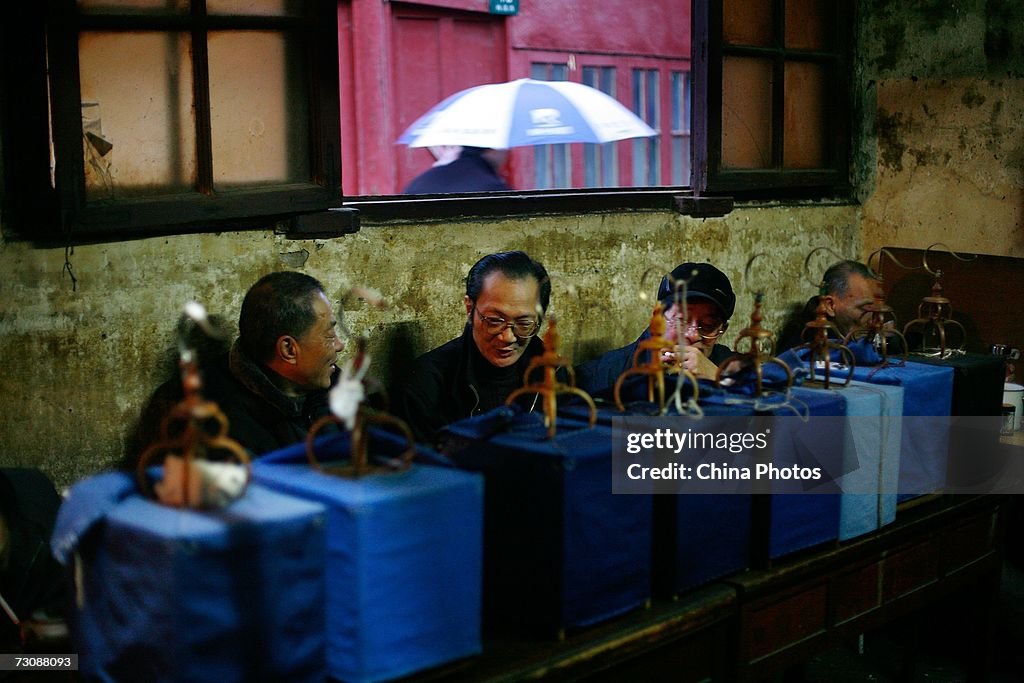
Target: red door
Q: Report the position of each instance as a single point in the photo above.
(435, 53)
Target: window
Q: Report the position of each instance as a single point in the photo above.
(551, 163)
(774, 110)
(680, 128)
(647, 105)
(173, 113)
(600, 162)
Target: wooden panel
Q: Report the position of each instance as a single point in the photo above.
(785, 622)
(856, 592)
(985, 295)
(909, 569)
(967, 543)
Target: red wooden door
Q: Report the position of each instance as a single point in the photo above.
(435, 53)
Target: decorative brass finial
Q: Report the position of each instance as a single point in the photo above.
(549, 387)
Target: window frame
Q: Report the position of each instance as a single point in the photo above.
(709, 48)
(67, 215)
(34, 210)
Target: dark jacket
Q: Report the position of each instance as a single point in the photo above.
(469, 173)
(445, 386)
(260, 416)
(598, 376)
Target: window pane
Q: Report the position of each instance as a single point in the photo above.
(551, 162)
(746, 113)
(258, 109)
(600, 168)
(273, 8)
(804, 139)
(139, 131)
(133, 6)
(646, 157)
(747, 22)
(805, 24)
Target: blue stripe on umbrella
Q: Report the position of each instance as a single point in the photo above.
(545, 116)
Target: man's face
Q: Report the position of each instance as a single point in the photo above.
(848, 311)
(509, 300)
(702, 328)
(319, 348)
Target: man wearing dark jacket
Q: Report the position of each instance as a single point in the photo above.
(475, 170)
(710, 303)
(506, 297)
(272, 385)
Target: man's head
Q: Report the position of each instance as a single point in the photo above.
(710, 303)
(495, 157)
(849, 287)
(506, 296)
(287, 324)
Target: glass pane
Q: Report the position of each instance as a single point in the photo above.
(681, 160)
(805, 24)
(551, 162)
(133, 6)
(646, 151)
(804, 145)
(138, 130)
(273, 8)
(259, 109)
(599, 161)
(746, 113)
(747, 22)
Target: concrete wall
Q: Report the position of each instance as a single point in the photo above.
(937, 156)
(79, 362)
(941, 86)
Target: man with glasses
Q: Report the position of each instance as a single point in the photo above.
(506, 297)
(710, 303)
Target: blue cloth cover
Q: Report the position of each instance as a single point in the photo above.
(178, 595)
(404, 558)
(560, 549)
(871, 457)
(797, 520)
(688, 551)
(927, 391)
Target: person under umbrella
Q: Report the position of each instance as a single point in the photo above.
(475, 170)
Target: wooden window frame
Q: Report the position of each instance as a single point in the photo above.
(37, 35)
(709, 51)
(45, 207)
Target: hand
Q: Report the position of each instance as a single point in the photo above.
(697, 363)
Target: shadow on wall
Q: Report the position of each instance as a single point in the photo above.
(401, 344)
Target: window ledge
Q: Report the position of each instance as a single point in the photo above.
(435, 208)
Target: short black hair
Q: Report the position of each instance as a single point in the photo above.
(515, 265)
(278, 304)
(836, 280)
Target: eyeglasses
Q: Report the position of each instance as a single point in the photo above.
(707, 329)
(523, 328)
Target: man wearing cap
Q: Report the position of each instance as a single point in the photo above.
(710, 303)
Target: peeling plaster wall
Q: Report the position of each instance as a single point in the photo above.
(936, 156)
(80, 363)
(940, 151)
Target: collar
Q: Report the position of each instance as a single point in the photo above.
(253, 376)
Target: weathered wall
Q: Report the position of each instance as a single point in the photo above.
(940, 154)
(80, 362)
(937, 155)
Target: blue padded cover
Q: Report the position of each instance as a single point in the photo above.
(927, 390)
(179, 595)
(800, 520)
(871, 457)
(404, 559)
(689, 552)
(560, 550)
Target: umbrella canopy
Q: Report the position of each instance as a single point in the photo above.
(525, 112)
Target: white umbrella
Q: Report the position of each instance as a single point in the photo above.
(525, 112)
